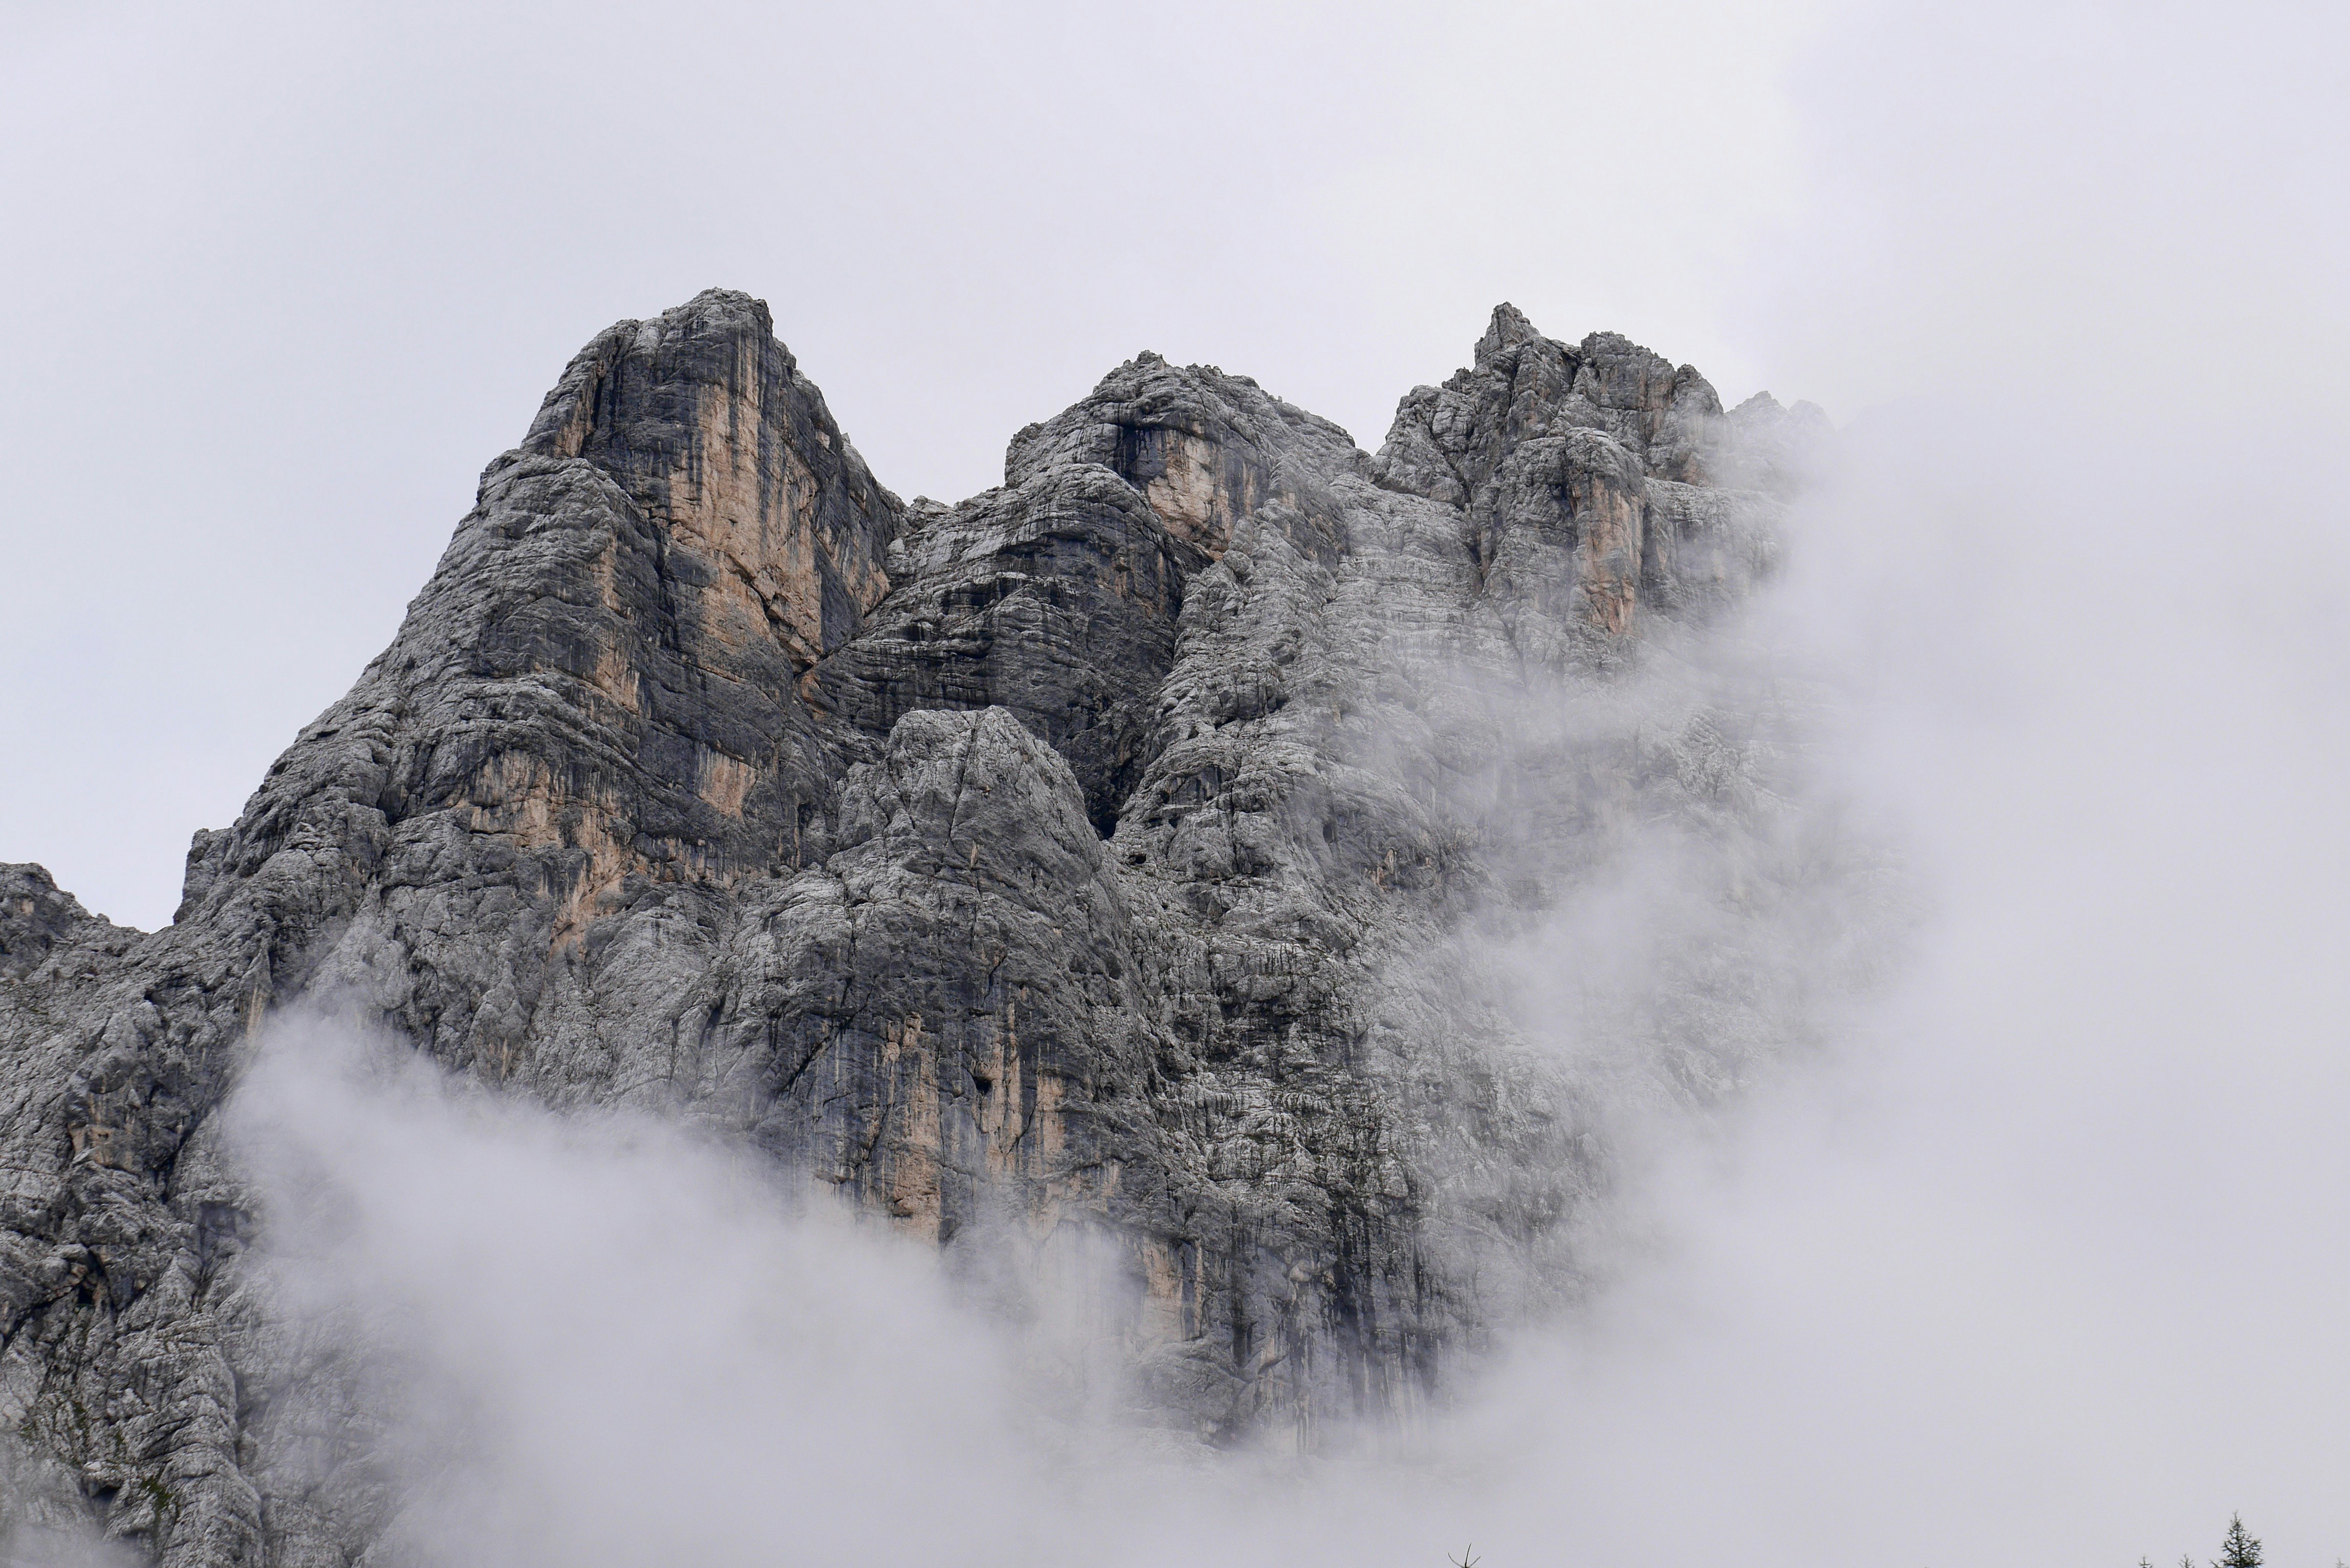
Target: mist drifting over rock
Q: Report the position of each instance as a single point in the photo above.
(1219, 884)
(1604, 978)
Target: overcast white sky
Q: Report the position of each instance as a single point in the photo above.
(284, 278)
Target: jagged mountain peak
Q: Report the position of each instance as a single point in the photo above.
(1508, 329)
(1076, 851)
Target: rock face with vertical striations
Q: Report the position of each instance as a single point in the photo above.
(1090, 859)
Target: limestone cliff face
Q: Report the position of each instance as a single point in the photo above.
(1073, 864)
(703, 418)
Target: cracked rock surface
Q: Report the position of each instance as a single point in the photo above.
(1100, 858)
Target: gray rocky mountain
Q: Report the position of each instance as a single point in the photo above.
(1107, 858)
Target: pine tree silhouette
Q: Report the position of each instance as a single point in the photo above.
(2239, 1550)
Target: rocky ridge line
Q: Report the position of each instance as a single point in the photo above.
(1056, 868)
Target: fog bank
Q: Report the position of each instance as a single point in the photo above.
(2036, 1253)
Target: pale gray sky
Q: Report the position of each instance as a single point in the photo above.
(285, 277)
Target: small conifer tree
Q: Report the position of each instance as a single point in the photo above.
(2239, 1550)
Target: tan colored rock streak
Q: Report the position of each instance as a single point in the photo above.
(517, 797)
(1192, 498)
(747, 500)
(913, 1197)
(1609, 520)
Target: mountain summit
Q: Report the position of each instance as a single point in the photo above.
(1101, 861)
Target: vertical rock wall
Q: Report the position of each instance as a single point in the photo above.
(1068, 862)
